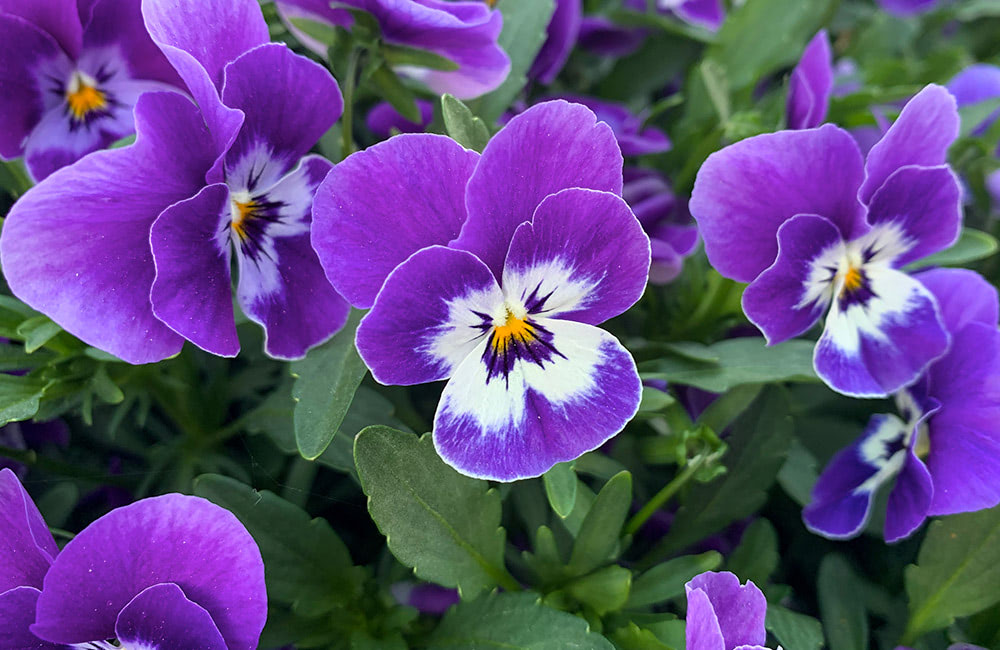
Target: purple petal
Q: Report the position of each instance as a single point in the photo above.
(791, 295)
(57, 18)
(979, 82)
(26, 547)
(409, 211)
(17, 611)
(921, 135)
(909, 499)
(119, 24)
(701, 629)
(740, 609)
(633, 138)
(993, 187)
(289, 102)
(191, 292)
(567, 391)
(963, 296)
(427, 318)
(383, 119)
(907, 7)
(561, 36)
(811, 84)
(550, 147)
(97, 287)
(745, 192)
(188, 541)
(162, 617)
(704, 13)
(606, 38)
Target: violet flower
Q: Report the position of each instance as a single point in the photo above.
(803, 218)
(561, 35)
(463, 32)
(704, 13)
(811, 84)
(977, 83)
(604, 37)
(664, 216)
(142, 261)
(425, 597)
(944, 448)
(71, 75)
(383, 119)
(907, 7)
(634, 138)
(722, 614)
(496, 269)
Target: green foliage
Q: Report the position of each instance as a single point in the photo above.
(463, 127)
(843, 612)
(756, 558)
(666, 581)
(972, 246)
(793, 630)
(601, 528)
(560, 488)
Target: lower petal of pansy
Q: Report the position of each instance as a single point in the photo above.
(430, 315)
(791, 295)
(522, 402)
(17, 613)
(909, 499)
(161, 617)
(882, 332)
(191, 293)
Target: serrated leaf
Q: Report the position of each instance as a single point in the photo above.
(516, 621)
(601, 528)
(325, 383)
(972, 245)
(957, 571)
(665, 581)
(19, 397)
(463, 127)
(444, 525)
(756, 558)
(560, 488)
(793, 630)
(845, 620)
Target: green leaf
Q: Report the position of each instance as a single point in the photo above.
(411, 56)
(19, 397)
(726, 408)
(325, 383)
(318, 30)
(976, 9)
(463, 127)
(740, 361)
(524, 24)
(841, 609)
(756, 558)
(36, 332)
(633, 637)
(444, 525)
(799, 473)
(305, 562)
(601, 528)
(971, 246)
(515, 621)
(605, 590)
(793, 630)
(654, 400)
(560, 488)
(391, 88)
(973, 115)
(957, 571)
(665, 581)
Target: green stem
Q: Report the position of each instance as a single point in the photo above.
(664, 495)
(347, 119)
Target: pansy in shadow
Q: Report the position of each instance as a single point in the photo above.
(815, 228)
(70, 74)
(722, 614)
(496, 269)
(943, 448)
(145, 234)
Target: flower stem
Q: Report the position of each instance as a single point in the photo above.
(347, 119)
(664, 495)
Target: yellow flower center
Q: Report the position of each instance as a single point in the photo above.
(243, 212)
(511, 330)
(83, 96)
(852, 280)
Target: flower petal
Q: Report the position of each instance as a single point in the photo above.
(740, 608)
(745, 192)
(560, 38)
(428, 317)
(977, 83)
(361, 236)
(583, 257)
(189, 541)
(26, 547)
(963, 296)
(17, 611)
(57, 18)
(909, 499)
(548, 406)
(162, 617)
(811, 84)
(907, 7)
(920, 135)
(551, 146)
(704, 13)
(119, 24)
(701, 627)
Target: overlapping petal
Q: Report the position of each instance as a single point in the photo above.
(17, 612)
(26, 546)
(58, 18)
(162, 617)
(738, 611)
(909, 499)
(811, 84)
(561, 36)
(119, 24)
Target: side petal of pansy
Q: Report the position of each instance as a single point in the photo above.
(724, 610)
(811, 84)
(561, 34)
(909, 500)
(550, 147)
(97, 215)
(119, 24)
(743, 194)
(562, 264)
(59, 18)
(360, 236)
(17, 613)
(161, 616)
(198, 546)
(26, 546)
(963, 296)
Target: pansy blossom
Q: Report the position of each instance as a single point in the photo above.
(722, 614)
(811, 84)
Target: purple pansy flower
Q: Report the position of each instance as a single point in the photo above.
(810, 224)
(144, 254)
(168, 572)
(463, 32)
(704, 13)
(383, 118)
(604, 37)
(977, 83)
(425, 597)
(496, 269)
(634, 138)
(810, 85)
(944, 448)
(70, 74)
(722, 614)
(664, 216)
(907, 7)
(561, 35)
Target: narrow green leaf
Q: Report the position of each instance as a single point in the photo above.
(36, 332)
(560, 488)
(19, 397)
(665, 581)
(444, 525)
(411, 56)
(318, 30)
(756, 558)
(106, 389)
(602, 527)
(463, 127)
(721, 413)
(605, 590)
(842, 611)
(654, 400)
(972, 245)
(391, 88)
(793, 630)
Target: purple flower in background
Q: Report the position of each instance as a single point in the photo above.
(810, 85)
(425, 597)
(561, 35)
(977, 83)
(496, 269)
(907, 7)
(722, 614)
(383, 118)
(810, 224)
(944, 448)
(634, 138)
(144, 256)
(463, 32)
(704, 13)
(31, 435)
(602, 36)
(71, 75)
(664, 216)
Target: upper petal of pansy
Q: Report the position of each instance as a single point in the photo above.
(963, 296)
(17, 612)
(739, 609)
(162, 617)
(184, 540)
(583, 257)
(744, 193)
(429, 316)
(907, 7)
(882, 332)
(921, 135)
(288, 102)
(119, 24)
(560, 38)
(58, 18)
(701, 625)
(811, 84)
(909, 499)
(314, 10)
(537, 392)
(704, 13)
(550, 147)
(26, 547)
(916, 212)
(282, 285)
(791, 295)
(97, 214)
(361, 235)
(977, 83)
